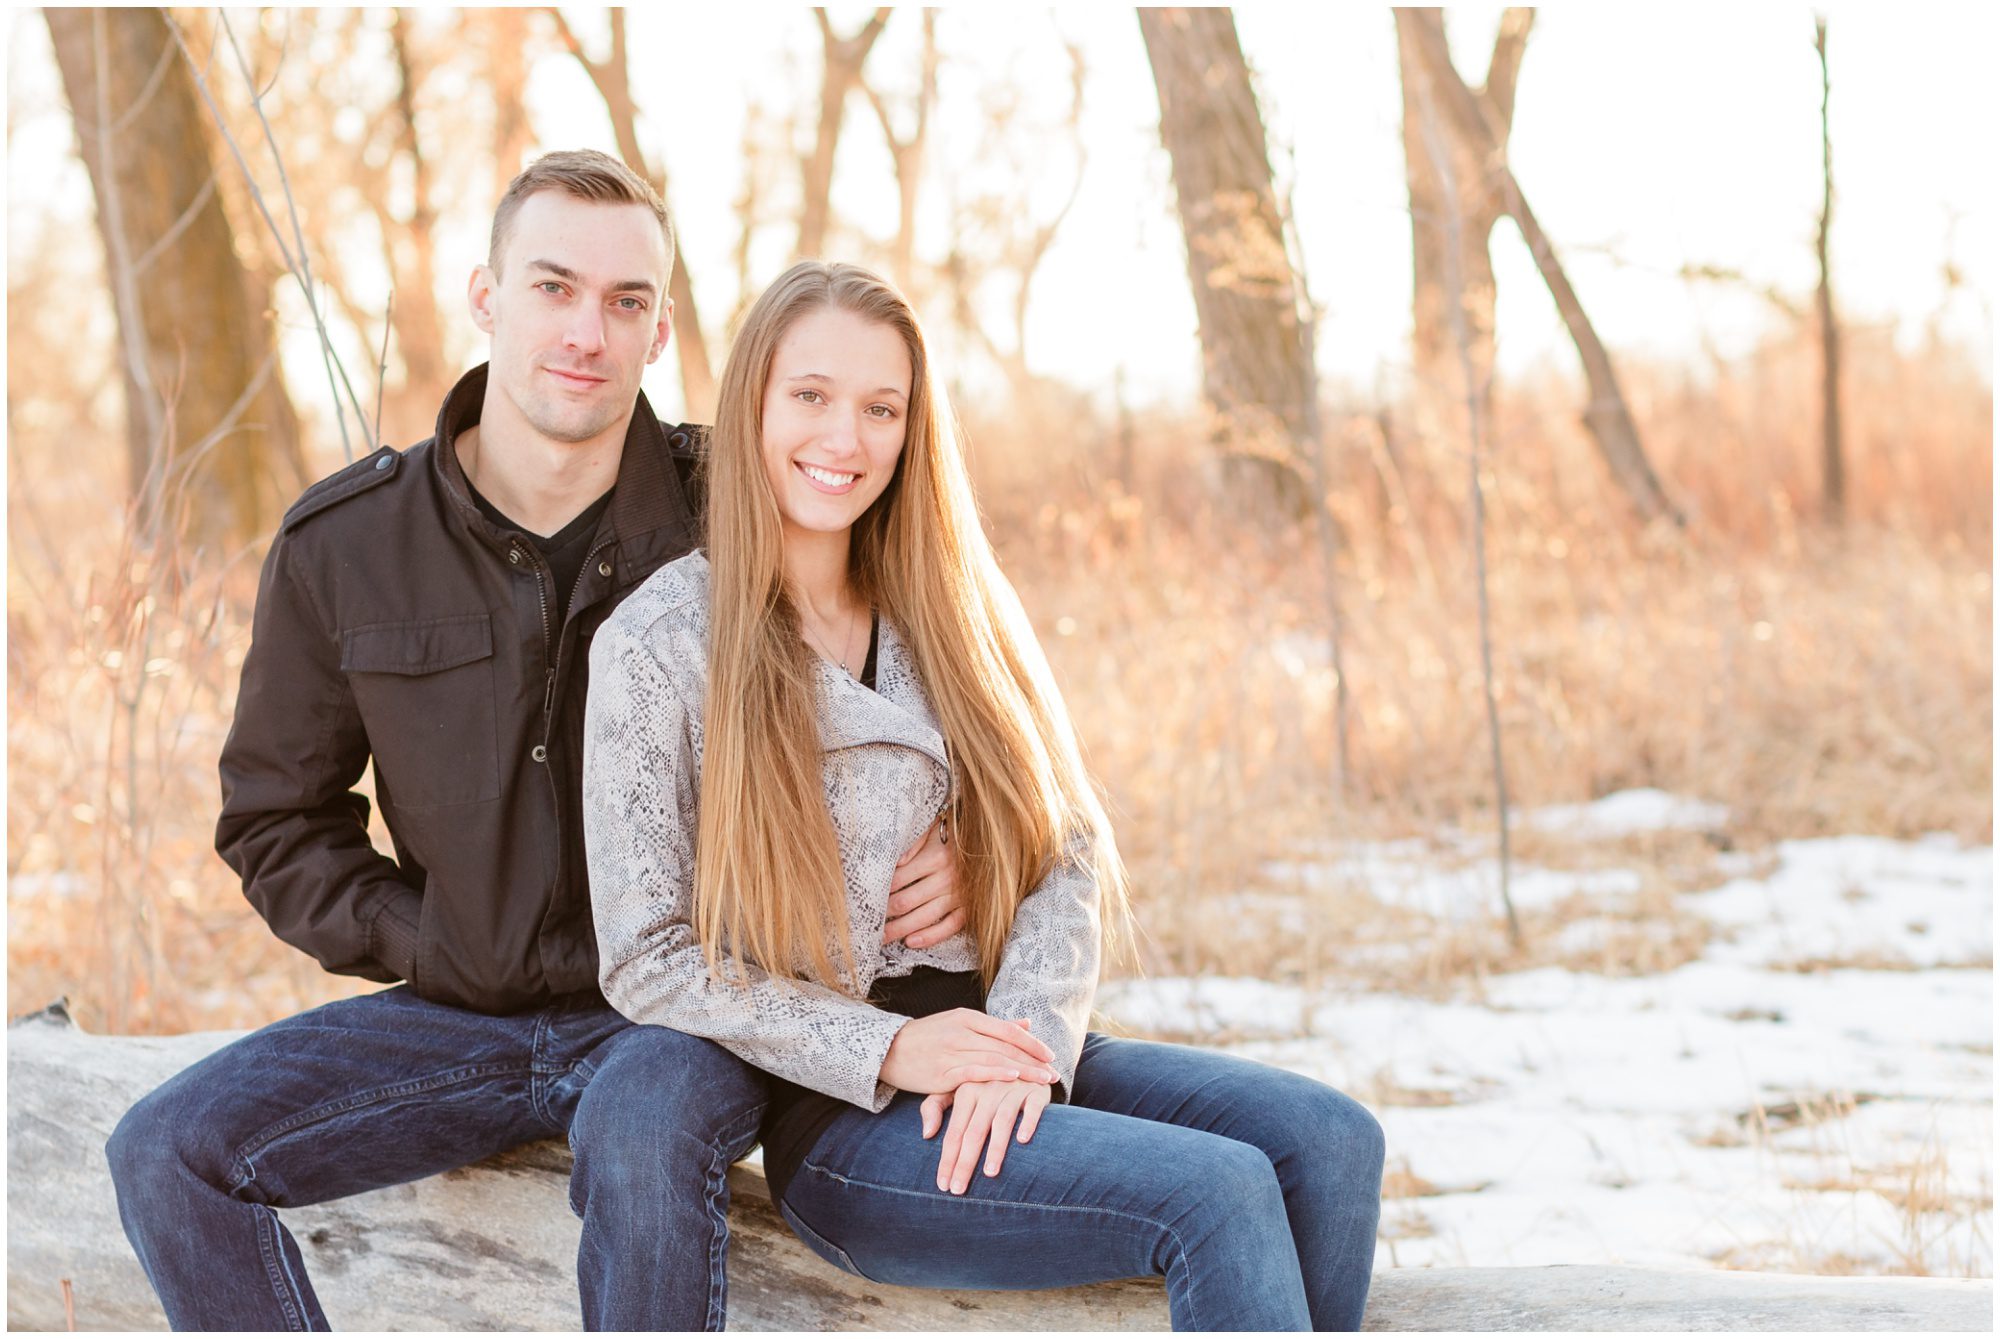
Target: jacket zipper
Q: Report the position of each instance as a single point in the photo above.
(555, 655)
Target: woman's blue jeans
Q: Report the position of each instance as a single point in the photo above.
(386, 1088)
(1253, 1190)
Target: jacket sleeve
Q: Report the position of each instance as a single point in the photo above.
(291, 825)
(1048, 970)
(639, 824)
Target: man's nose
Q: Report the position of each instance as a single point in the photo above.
(586, 328)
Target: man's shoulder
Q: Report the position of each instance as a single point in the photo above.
(368, 476)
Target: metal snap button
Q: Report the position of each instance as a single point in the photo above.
(539, 754)
(604, 569)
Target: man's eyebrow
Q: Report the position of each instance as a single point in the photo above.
(646, 286)
(826, 380)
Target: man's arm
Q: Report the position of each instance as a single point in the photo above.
(291, 825)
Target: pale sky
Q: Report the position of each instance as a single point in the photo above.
(1643, 138)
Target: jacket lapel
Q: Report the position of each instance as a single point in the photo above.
(895, 712)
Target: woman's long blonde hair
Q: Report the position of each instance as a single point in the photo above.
(768, 879)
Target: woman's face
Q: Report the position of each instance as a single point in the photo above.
(835, 410)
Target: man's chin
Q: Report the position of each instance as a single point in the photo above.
(570, 426)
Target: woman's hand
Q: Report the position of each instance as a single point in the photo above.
(982, 1116)
(938, 1053)
(924, 905)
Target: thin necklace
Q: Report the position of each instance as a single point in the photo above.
(847, 646)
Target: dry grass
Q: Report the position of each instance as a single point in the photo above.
(1813, 681)
(1937, 1229)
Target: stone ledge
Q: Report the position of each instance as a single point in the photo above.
(492, 1247)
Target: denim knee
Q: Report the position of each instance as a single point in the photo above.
(1351, 1133)
(662, 1109)
(154, 1144)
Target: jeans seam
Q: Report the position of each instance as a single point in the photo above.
(277, 1272)
(299, 1120)
(718, 1241)
(1175, 1236)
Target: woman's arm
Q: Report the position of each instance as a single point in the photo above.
(1048, 971)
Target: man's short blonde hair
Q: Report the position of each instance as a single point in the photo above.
(587, 175)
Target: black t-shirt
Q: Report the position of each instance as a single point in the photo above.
(564, 551)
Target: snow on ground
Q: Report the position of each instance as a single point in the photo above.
(1814, 1093)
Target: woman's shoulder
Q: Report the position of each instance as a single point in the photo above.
(670, 607)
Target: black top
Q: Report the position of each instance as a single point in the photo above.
(564, 551)
(797, 1117)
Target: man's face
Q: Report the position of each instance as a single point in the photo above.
(576, 307)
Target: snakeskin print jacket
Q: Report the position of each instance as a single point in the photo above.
(886, 778)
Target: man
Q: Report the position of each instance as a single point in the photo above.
(433, 610)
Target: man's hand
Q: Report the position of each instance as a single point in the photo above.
(924, 905)
(938, 1053)
(982, 1116)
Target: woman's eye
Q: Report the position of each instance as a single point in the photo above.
(882, 411)
(810, 397)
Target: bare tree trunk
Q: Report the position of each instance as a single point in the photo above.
(613, 80)
(1606, 415)
(1834, 486)
(507, 75)
(844, 59)
(1433, 350)
(1256, 367)
(210, 432)
(908, 155)
(414, 312)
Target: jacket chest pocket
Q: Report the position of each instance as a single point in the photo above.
(426, 695)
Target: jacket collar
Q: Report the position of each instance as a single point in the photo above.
(896, 711)
(649, 518)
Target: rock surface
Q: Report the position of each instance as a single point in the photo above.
(492, 1247)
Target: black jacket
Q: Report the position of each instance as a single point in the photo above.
(394, 621)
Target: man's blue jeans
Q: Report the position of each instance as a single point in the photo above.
(387, 1088)
(1253, 1190)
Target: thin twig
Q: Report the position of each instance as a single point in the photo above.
(382, 369)
(124, 285)
(291, 204)
(1312, 445)
(1475, 431)
(295, 264)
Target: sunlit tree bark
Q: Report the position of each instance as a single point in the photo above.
(212, 439)
(1256, 368)
(1434, 355)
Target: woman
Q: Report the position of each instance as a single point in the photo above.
(770, 724)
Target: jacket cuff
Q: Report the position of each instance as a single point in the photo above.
(392, 934)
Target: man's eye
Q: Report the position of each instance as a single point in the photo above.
(631, 304)
(550, 286)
